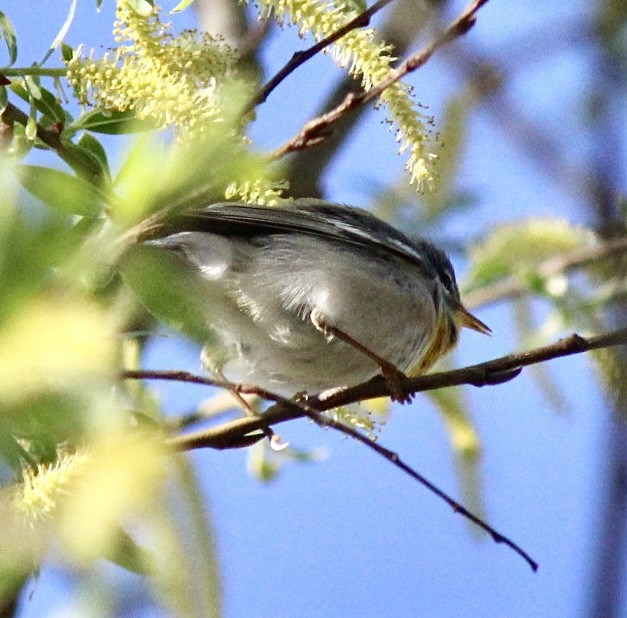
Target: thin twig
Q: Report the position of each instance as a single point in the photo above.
(300, 57)
(303, 409)
(53, 139)
(393, 457)
(314, 131)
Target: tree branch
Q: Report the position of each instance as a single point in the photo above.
(53, 140)
(497, 537)
(248, 430)
(491, 372)
(314, 131)
(300, 57)
(303, 409)
(401, 27)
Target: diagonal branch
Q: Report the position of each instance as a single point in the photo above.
(246, 431)
(302, 408)
(300, 57)
(315, 130)
(53, 139)
(497, 537)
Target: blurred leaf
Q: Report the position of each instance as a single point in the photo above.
(55, 344)
(156, 175)
(89, 143)
(168, 289)
(357, 6)
(62, 191)
(265, 464)
(125, 552)
(181, 6)
(11, 455)
(67, 52)
(62, 32)
(261, 463)
(43, 418)
(110, 123)
(20, 144)
(7, 32)
(541, 374)
(517, 248)
(141, 7)
(120, 479)
(28, 253)
(188, 554)
(610, 364)
(465, 442)
(4, 99)
(77, 500)
(609, 24)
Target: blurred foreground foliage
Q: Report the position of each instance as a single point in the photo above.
(84, 468)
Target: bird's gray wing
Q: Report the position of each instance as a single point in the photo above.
(312, 217)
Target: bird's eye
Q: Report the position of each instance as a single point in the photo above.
(447, 276)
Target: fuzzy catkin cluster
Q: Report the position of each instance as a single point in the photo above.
(176, 82)
(44, 485)
(370, 61)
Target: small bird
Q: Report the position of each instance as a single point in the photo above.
(311, 295)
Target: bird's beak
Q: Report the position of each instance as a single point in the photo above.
(468, 320)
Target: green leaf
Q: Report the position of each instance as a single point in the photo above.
(110, 123)
(32, 85)
(353, 6)
(465, 443)
(31, 128)
(181, 6)
(168, 289)
(143, 8)
(191, 527)
(49, 106)
(20, 145)
(88, 143)
(19, 88)
(62, 32)
(7, 32)
(67, 52)
(62, 191)
(4, 99)
(156, 175)
(85, 158)
(45, 101)
(128, 554)
(517, 248)
(261, 463)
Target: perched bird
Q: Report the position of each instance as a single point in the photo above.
(310, 295)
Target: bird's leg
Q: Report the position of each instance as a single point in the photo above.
(276, 444)
(393, 376)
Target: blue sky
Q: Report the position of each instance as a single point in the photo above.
(351, 535)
